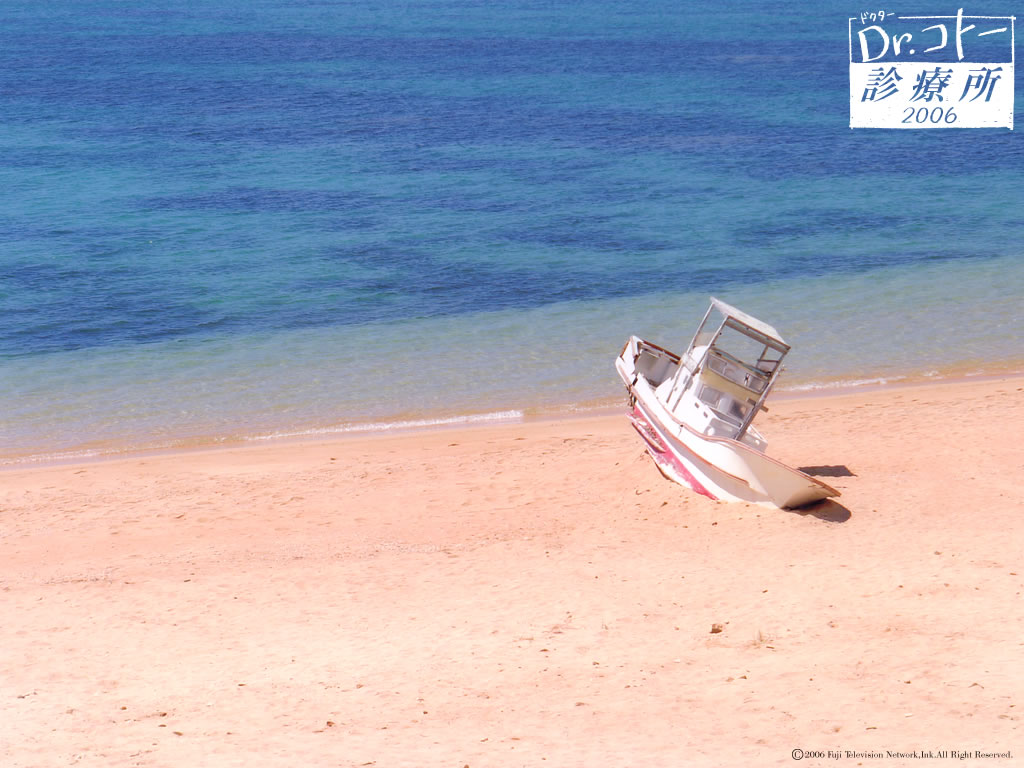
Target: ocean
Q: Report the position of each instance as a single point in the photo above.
(241, 219)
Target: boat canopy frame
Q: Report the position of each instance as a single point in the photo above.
(765, 370)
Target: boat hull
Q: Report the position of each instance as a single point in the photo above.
(717, 467)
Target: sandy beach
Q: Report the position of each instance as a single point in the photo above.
(525, 594)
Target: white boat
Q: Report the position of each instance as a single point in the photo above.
(695, 411)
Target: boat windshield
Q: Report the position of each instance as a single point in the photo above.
(749, 352)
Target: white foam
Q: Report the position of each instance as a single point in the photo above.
(54, 458)
(392, 426)
(843, 384)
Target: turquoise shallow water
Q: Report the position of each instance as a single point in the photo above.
(254, 219)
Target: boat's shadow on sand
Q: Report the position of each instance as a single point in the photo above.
(830, 470)
(826, 510)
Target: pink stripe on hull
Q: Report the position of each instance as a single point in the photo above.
(663, 455)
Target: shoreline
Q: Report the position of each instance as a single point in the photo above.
(522, 594)
(572, 411)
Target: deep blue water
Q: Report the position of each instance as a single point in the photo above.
(234, 173)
